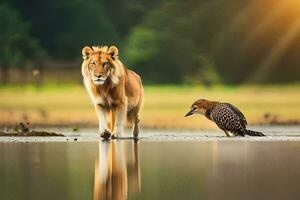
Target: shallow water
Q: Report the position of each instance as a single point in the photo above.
(209, 167)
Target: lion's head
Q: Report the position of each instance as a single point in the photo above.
(99, 63)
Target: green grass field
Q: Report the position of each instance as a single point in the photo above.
(164, 106)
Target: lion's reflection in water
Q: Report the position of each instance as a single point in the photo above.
(117, 170)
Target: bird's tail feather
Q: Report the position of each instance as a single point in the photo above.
(253, 133)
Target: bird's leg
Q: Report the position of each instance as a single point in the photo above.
(227, 134)
(241, 134)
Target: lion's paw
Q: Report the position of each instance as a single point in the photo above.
(114, 136)
(105, 134)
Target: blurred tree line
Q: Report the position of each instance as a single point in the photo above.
(167, 41)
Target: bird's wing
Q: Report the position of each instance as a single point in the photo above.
(237, 112)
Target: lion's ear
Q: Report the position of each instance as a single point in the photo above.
(113, 52)
(86, 52)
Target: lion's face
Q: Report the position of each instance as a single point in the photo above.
(98, 62)
(100, 68)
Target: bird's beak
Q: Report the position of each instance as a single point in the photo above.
(189, 113)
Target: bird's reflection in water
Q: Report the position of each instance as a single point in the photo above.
(117, 170)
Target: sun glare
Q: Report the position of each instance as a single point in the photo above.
(294, 3)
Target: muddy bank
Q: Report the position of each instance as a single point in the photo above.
(22, 130)
(30, 133)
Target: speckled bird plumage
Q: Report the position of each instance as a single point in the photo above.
(226, 116)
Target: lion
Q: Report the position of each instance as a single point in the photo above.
(116, 92)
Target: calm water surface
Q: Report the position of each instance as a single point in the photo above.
(126, 169)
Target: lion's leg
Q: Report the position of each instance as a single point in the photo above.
(120, 118)
(135, 117)
(113, 120)
(103, 129)
(108, 117)
(136, 127)
(136, 120)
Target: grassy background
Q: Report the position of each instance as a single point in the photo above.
(164, 106)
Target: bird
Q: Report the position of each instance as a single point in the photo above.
(225, 115)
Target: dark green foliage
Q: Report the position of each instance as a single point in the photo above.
(170, 41)
(65, 26)
(239, 41)
(17, 46)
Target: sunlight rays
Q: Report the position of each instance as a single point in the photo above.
(268, 21)
(278, 51)
(239, 20)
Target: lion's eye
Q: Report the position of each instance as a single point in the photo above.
(93, 64)
(105, 64)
